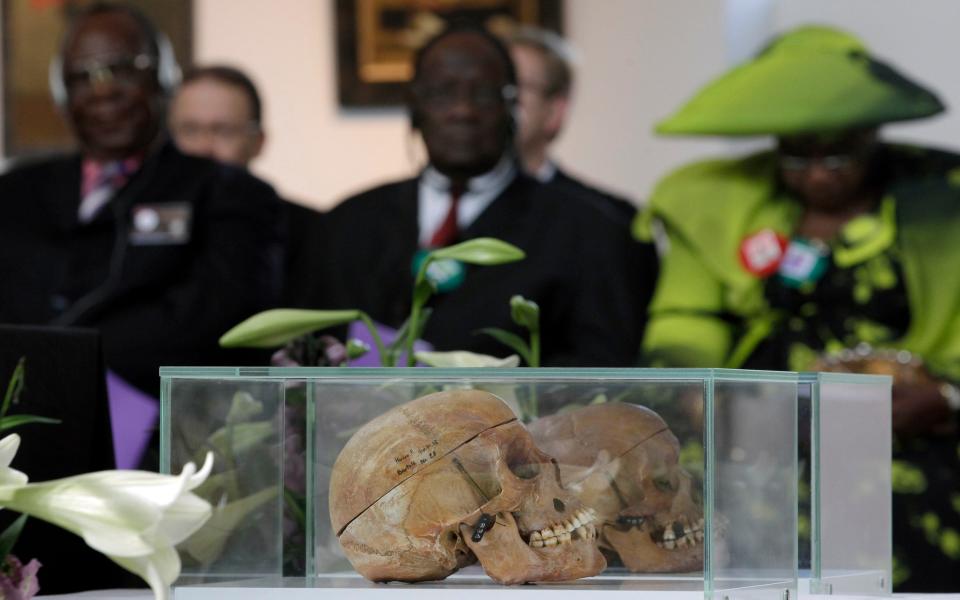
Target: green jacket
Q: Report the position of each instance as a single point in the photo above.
(709, 311)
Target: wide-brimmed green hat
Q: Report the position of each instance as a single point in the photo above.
(813, 79)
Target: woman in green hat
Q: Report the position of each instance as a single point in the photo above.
(834, 250)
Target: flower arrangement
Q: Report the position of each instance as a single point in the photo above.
(135, 518)
(294, 327)
(294, 331)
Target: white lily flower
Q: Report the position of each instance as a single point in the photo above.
(133, 517)
(462, 358)
(8, 449)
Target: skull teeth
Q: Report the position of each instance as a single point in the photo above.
(681, 535)
(579, 527)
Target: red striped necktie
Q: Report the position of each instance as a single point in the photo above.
(448, 232)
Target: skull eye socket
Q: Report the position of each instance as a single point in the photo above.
(523, 459)
(524, 470)
(663, 484)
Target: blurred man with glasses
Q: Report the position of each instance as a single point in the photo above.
(544, 63)
(216, 113)
(159, 251)
(363, 254)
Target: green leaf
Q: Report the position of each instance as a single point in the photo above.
(400, 337)
(274, 328)
(11, 421)
(481, 251)
(514, 341)
(243, 407)
(234, 440)
(525, 313)
(14, 388)
(207, 544)
(295, 503)
(9, 536)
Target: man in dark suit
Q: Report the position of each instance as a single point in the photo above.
(361, 254)
(545, 83)
(160, 252)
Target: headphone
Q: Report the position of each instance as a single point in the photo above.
(168, 71)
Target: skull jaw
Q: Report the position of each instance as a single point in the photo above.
(411, 560)
(508, 560)
(640, 554)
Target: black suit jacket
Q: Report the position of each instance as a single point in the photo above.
(154, 305)
(619, 208)
(577, 269)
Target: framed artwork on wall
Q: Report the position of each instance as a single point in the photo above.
(31, 32)
(376, 39)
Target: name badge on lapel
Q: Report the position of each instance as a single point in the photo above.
(160, 224)
(804, 262)
(761, 253)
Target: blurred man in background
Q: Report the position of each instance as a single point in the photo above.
(363, 253)
(216, 112)
(544, 63)
(159, 251)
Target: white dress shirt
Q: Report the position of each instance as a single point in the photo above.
(546, 171)
(434, 197)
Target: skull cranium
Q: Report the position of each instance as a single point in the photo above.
(622, 460)
(450, 478)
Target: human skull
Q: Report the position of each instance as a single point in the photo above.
(622, 460)
(450, 478)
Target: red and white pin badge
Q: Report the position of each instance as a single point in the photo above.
(762, 252)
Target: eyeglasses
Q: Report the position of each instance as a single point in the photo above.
(833, 162)
(228, 132)
(539, 89)
(125, 71)
(444, 95)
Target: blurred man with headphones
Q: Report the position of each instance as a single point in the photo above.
(363, 253)
(159, 251)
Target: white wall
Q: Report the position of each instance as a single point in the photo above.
(919, 37)
(640, 60)
(315, 153)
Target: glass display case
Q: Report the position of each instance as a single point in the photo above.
(680, 482)
(850, 481)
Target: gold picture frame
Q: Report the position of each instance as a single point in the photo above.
(376, 39)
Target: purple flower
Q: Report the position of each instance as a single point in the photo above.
(18, 582)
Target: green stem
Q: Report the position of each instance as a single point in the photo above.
(415, 307)
(295, 506)
(377, 341)
(16, 383)
(535, 349)
(533, 408)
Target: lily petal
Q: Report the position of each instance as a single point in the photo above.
(463, 358)
(8, 449)
(134, 517)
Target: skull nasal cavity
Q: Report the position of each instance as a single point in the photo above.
(558, 504)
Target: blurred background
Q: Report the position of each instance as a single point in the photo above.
(638, 61)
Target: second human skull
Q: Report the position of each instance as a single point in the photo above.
(623, 460)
